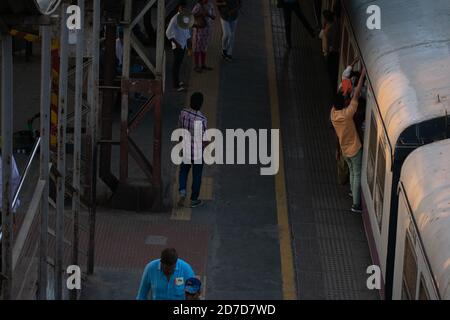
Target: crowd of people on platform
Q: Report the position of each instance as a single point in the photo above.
(182, 39)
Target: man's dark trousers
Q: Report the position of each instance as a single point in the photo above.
(178, 56)
(196, 178)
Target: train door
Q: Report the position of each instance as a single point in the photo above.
(376, 183)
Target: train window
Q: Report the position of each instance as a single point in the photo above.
(423, 293)
(372, 154)
(409, 271)
(380, 181)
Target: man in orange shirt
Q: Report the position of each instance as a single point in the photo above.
(342, 119)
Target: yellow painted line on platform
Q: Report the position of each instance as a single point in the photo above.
(284, 230)
(206, 192)
(203, 289)
(208, 83)
(181, 213)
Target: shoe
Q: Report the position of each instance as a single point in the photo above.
(181, 89)
(350, 194)
(226, 57)
(207, 68)
(198, 69)
(181, 201)
(182, 84)
(317, 33)
(356, 209)
(196, 203)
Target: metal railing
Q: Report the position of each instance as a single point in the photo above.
(23, 178)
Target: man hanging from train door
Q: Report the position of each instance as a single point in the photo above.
(342, 119)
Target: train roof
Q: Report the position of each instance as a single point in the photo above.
(426, 180)
(408, 60)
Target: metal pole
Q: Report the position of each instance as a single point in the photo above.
(157, 109)
(77, 141)
(125, 76)
(157, 153)
(7, 120)
(160, 39)
(93, 138)
(61, 153)
(46, 88)
(46, 91)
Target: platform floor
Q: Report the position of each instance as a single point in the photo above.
(233, 241)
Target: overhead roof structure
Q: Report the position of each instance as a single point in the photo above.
(31, 7)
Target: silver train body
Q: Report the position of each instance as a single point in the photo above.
(406, 151)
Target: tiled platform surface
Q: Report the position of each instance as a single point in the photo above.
(126, 242)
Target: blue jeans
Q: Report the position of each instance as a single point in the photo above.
(355, 167)
(229, 31)
(196, 179)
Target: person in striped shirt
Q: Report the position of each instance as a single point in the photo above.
(193, 121)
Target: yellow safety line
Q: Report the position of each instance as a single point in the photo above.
(286, 253)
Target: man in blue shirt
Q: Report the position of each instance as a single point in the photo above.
(165, 277)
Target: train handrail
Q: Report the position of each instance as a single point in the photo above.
(22, 179)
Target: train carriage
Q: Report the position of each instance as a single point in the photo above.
(408, 102)
(422, 265)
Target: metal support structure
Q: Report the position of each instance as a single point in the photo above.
(125, 76)
(94, 103)
(107, 107)
(77, 141)
(7, 121)
(157, 183)
(160, 56)
(61, 155)
(160, 36)
(44, 156)
(153, 87)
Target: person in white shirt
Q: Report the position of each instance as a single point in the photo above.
(181, 40)
(15, 180)
(119, 48)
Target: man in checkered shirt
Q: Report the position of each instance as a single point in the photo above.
(195, 122)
